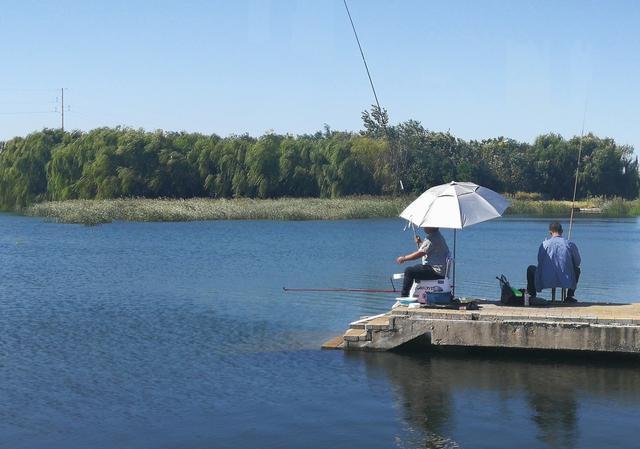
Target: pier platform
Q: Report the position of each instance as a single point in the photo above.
(595, 327)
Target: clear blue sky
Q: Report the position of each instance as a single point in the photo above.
(479, 68)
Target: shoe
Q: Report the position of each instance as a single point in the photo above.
(570, 299)
(472, 306)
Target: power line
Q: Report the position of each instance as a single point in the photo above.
(10, 89)
(30, 103)
(28, 112)
(20, 93)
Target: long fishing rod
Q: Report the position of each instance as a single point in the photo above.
(366, 66)
(394, 162)
(354, 290)
(375, 94)
(575, 184)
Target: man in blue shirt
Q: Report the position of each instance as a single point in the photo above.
(558, 265)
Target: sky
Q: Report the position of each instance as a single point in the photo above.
(477, 68)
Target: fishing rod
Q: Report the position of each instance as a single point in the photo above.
(375, 94)
(353, 290)
(395, 155)
(575, 184)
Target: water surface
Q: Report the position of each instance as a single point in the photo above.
(178, 335)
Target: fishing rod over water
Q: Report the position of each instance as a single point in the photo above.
(390, 141)
(575, 184)
(382, 112)
(338, 289)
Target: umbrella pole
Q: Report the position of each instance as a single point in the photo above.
(453, 287)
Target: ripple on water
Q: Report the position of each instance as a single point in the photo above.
(155, 335)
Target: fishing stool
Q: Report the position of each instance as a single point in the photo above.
(563, 294)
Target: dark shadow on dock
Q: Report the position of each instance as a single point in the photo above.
(557, 304)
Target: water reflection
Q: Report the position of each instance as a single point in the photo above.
(554, 411)
(472, 401)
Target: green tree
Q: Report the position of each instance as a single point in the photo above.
(263, 167)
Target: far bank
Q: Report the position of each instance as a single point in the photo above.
(92, 212)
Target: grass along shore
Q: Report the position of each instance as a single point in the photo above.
(92, 212)
(142, 209)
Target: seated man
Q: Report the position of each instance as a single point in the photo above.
(558, 265)
(434, 252)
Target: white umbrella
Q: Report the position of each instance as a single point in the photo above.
(455, 205)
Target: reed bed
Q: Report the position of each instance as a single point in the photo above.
(93, 212)
(618, 207)
(535, 208)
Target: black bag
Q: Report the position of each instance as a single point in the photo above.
(510, 296)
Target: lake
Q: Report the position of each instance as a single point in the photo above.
(179, 335)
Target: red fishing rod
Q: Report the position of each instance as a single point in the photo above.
(355, 290)
(348, 290)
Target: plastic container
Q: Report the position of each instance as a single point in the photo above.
(438, 298)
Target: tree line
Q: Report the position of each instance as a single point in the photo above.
(379, 160)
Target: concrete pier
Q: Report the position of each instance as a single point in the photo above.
(597, 327)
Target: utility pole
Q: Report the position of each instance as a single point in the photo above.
(62, 108)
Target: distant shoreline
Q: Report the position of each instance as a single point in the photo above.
(93, 212)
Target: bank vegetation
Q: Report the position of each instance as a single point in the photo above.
(381, 160)
(92, 212)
